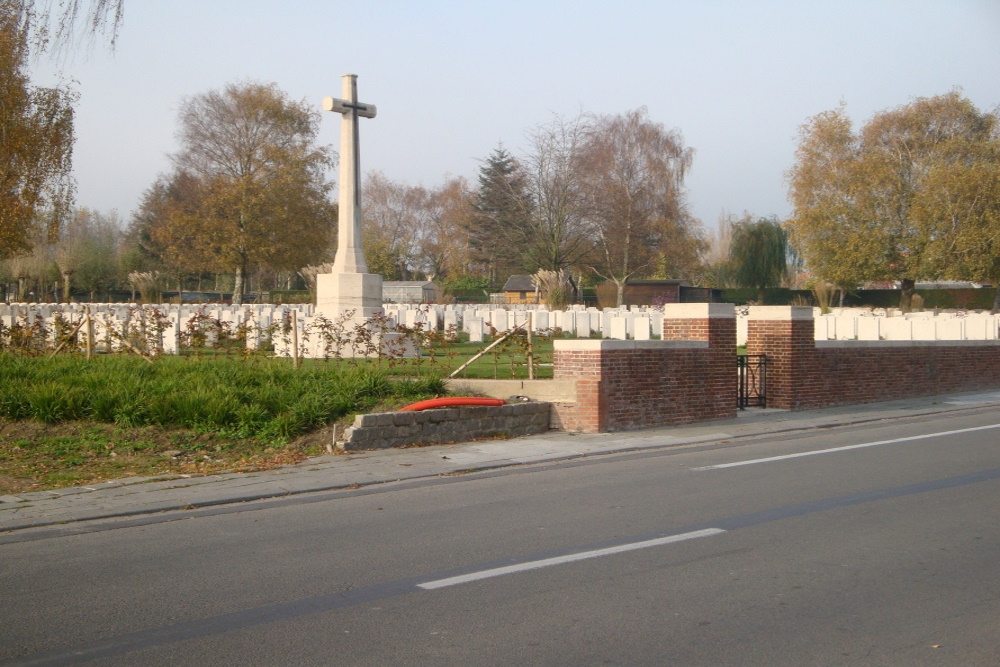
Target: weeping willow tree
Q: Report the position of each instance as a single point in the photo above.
(758, 253)
(60, 23)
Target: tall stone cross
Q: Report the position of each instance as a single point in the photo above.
(350, 255)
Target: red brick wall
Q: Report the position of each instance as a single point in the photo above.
(801, 375)
(627, 385)
(691, 374)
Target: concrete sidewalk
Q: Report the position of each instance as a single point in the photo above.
(132, 497)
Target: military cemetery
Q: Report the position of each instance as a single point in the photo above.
(629, 333)
(613, 368)
(563, 219)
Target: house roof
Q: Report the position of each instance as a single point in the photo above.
(521, 283)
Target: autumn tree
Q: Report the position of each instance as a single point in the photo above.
(139, 251)
(444, 251)
(395, 223)
(904, 198)
(413, 230)
(633, 173)
(964, 197)
(248, 188)
(36, 141)
(758, 253)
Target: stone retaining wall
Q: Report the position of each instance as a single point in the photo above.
(427, 427)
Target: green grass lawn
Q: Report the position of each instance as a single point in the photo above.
(67, 420)
(259, 397)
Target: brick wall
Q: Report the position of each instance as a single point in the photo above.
(625, 385)
(802, 373)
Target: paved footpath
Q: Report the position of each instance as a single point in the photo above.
(133, 497)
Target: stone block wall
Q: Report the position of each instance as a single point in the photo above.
(626, 385)
(803, 373)
(395, 429)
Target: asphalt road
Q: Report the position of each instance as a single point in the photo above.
(873, 545)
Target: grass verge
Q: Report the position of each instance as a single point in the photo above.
(67, 421)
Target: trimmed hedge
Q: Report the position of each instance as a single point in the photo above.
(971, 299)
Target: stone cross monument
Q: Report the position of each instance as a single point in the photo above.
(349, 287)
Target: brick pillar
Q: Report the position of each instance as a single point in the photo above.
(714, 323)
(580, 360)
(786, 335)
(688, 376)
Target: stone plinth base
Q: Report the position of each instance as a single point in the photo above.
(356, 295)
(345, 337)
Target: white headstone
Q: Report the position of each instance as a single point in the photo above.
(475, 329)
(541, 320)
(869, 328)
(641, 328)
(619, 328)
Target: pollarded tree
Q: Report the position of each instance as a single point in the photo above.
(633, 173)
(87, 250)
(883, 203)
(249, 187)
(36, 142)
(98, 267)
(758, 253)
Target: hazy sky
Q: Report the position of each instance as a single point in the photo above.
(453, 79)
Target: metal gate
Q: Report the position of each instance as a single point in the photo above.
(752, 382)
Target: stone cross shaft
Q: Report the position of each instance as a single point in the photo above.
(350, 255)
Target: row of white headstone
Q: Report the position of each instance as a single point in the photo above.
(645, 322)
(161, 325)
(480, 322)
(863, 324)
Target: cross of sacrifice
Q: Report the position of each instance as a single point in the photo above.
(350, 258)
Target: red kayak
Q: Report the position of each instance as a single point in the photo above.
(451, 402)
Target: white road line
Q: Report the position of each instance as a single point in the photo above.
(559, 560)
(770, 459)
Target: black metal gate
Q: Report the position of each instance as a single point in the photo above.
(753, 377)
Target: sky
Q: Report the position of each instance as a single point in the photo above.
(453, 79)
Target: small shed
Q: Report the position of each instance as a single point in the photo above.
(653, 292)
(409, 291)
(520, 289)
